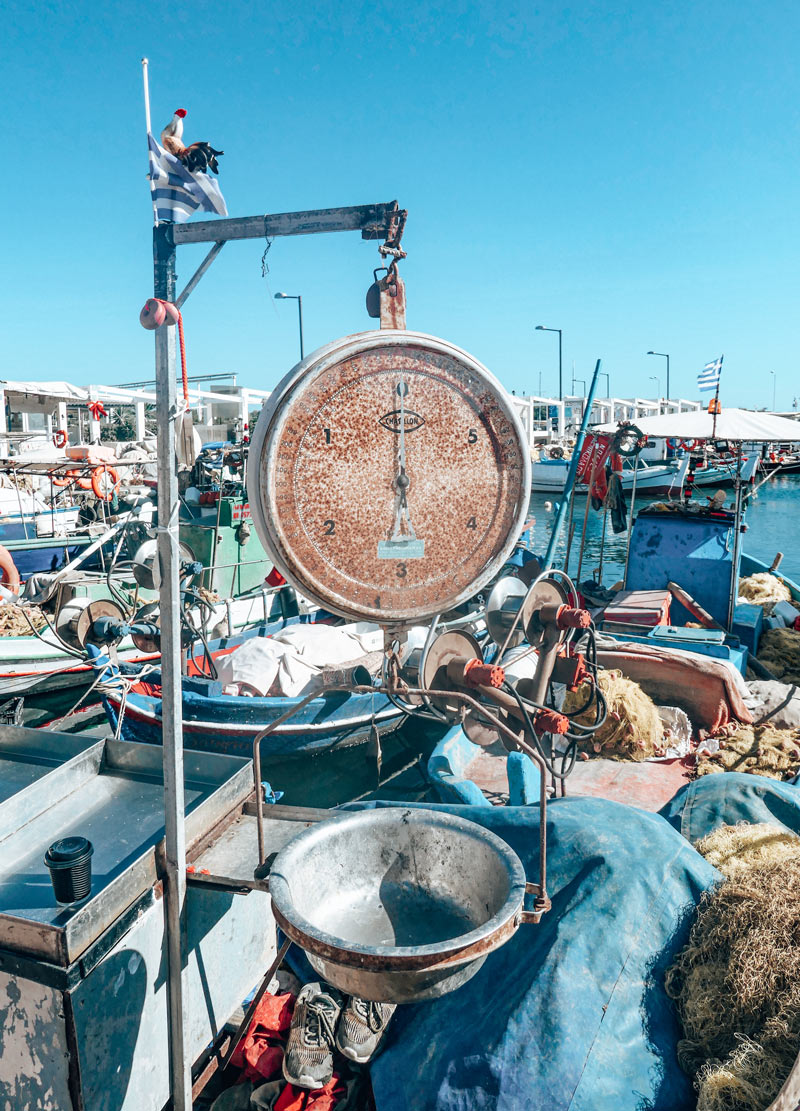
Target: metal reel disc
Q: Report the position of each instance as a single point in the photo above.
(447, 647)
(147, 644)
(102, 607)
(146, 568)
(502, 607)
(480, 731)
(546, 593)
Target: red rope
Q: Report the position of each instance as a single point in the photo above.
(183, 357)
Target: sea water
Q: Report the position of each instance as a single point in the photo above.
(772, 519)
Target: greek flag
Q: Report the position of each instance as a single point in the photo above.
(177, 194)
(709, 376)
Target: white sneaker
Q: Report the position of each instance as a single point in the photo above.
(362, 1027)
(308, 1060)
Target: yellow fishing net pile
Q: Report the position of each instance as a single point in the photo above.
(764, 590)
(736, 984)
(757, 749)
(13, 623)
(632, 730)
(779, 650)
(735, 850)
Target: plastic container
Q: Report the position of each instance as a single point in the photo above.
(70, 864)
(788, 611)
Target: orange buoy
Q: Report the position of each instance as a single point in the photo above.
(10, 574)
(104, 482)
(60, 438)
(65, 478)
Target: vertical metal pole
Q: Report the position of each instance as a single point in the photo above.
(172, 723)
(146, 84)
(560, 382)
(737, 532)
(667, 377)
(300, 315)
(558, 524)
(630, 522)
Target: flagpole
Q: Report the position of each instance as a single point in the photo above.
(145, 64)
(716, 399)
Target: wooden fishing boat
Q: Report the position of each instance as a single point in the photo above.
(218, 722)
(658, 480)
(752, 566)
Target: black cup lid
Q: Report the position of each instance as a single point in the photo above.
(69, 849)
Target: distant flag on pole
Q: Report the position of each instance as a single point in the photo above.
(709, 376)
(177, 193)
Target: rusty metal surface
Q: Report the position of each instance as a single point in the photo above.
(323, 481)
(392, 292)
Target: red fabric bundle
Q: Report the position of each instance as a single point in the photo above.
(260, 1052)
(323, 1099)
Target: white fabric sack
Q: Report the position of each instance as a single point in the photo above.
(263, 666)
(774, 703)
(289, 664)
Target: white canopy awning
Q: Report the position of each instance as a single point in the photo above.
(60, 391)
(731, 424)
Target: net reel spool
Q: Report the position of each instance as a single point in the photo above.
(146, 569)
(539, 598)
(76, 618)
(446, 648)
(145, 629)
(502, 607)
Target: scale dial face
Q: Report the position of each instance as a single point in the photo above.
(389, 476)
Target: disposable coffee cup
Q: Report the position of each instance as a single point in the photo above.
(70, 863)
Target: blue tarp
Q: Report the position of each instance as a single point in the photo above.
(570, 1013)
(724, 798)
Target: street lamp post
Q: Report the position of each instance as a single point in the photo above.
(608, 382)
(657, 380)
(575, 382)
(662, 356)
(541, 328)
(774, 384)
(294, 297)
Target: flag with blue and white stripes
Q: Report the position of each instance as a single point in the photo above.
(709, 376)
(178, 194)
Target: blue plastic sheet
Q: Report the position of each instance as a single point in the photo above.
(725, 798)
(571, 1013)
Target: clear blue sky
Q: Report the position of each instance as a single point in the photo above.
(626, 173)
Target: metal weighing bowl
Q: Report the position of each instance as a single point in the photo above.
(397, 904)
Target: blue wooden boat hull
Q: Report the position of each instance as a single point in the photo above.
(31, 556)
(224, 724)
(216, 722)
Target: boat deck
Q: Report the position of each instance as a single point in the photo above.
(648, 785)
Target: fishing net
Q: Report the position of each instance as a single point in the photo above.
(632, 731)
(757, 749)
(779, 650)
(734, 850)
(13, 623)
(736, 984)
(764, 590)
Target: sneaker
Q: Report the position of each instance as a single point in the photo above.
(308, 1060)
(362, 1027)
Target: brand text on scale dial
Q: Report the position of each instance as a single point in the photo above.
(397, 419)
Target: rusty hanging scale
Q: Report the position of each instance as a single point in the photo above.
(386, 297)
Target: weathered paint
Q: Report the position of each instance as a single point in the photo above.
(121, 1006)
(34, 1059)
(695, 551)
